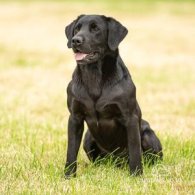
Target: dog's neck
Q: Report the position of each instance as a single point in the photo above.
(95, 76)
(91, 78)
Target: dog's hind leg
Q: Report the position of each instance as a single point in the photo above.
(91, 148)
(151, 146)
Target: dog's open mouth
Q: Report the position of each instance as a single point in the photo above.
(79, 56)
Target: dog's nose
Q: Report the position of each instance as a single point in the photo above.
(77, 40)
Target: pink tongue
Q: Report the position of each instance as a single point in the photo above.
(79, 56)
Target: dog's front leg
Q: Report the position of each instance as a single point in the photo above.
(134, 145)
(75, 132)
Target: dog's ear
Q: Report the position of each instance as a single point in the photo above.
(69, 30)
(116, 33)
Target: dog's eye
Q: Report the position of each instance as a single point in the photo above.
(77, 29)
(94, 27)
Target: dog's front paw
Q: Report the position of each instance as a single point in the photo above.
(70, 171)
(69, 175)
(136, 172)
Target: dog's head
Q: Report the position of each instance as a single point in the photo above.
(90, 36)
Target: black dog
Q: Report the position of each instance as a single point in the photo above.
(103, 94)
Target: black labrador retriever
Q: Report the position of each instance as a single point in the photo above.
(103, 94)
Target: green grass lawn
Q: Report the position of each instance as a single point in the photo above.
(36, 66)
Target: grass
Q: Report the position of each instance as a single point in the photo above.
(35, 68)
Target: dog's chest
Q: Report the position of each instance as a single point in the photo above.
(102, 113)
(101, 110)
